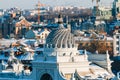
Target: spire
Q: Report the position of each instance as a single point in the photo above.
(60, 21)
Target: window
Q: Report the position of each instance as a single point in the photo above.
(53, 45)
(63, 46)
(64, 54)
(68, 45)
(81, 44)
(117, 42)
(118, 75)
(107, 43)
(117, 48)
(45, 35)
(118, 31)
(117, 37)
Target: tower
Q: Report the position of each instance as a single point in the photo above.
(96, 9)
(116, 8)
(97, 1)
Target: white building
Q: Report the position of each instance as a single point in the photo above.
(116, 42)
(61, 60)
(42, 35)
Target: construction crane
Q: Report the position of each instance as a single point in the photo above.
(39, 5)
(97, 1)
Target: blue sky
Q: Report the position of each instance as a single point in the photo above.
(27, 4)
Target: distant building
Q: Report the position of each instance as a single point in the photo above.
(116, 8)
(87, 25)
(105, 13)
(116, 42)
(42, 35)
(102, 13)
(22, 27)
(7, 26)
(1, 12)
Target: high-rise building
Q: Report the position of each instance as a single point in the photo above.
(116, 42)
(6, 26)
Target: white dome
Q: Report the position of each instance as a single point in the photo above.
(60, 38)
(60, 42)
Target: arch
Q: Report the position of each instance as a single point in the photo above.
(46, 76)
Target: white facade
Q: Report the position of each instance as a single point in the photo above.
(61, 60)
(42, 35)
(116, 42)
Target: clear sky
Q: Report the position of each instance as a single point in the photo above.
(28, 4)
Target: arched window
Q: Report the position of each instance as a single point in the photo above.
(53, 45)
(68, 45)
(46, 76)
(118, 75)
(63, 46)
(72, 45)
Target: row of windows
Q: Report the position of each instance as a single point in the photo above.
(59, 46)
(117, 42)
(117, 37)
(117, 48)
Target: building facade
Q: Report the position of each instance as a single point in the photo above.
(7, 26)
(116, 42)
(22, 27)
(116, 7)
(61, 60)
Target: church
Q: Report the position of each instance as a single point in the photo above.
(61, 60)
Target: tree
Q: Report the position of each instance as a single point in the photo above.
(97, 45)
(93, 46)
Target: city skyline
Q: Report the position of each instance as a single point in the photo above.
(24, 4)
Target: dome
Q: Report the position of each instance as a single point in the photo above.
(60, 38)
(60, 42)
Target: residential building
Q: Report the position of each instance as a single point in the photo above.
(105, 12)
(7, 26)
(42, 35)
(21, 27)
(116, 41)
